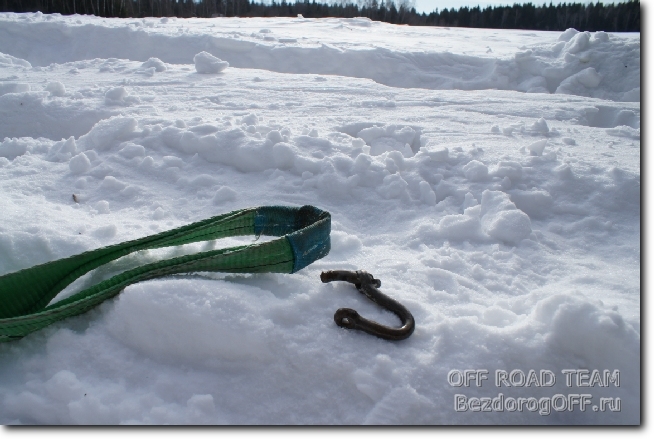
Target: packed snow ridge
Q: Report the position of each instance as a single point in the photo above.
(490, 179)
(571, 62)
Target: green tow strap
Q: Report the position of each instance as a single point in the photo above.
(304, 231)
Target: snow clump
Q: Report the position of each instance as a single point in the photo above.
(155, 63)
(500, 219)
(56, 88)
(207, 63)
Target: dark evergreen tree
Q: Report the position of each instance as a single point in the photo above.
(619, 17)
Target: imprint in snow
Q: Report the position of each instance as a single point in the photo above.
(207, 63)
(500, 219)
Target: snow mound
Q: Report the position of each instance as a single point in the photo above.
(500, 218)
(600, 65)
(155, 63)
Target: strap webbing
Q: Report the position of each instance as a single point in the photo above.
(304, 231)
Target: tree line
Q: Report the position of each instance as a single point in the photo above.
(620, 17)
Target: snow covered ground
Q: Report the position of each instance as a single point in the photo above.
(490, 179)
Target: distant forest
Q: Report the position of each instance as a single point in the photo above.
(620, 17)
